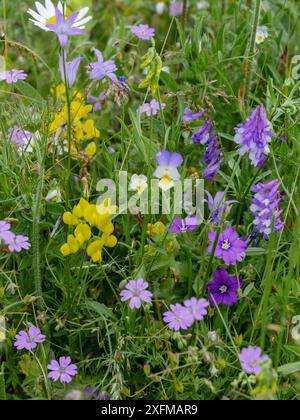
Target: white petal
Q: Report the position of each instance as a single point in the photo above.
(82, 13)
(80, 24)
(36, 16)
(41, 9)
(40, 25)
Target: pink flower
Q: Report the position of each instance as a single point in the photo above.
(18, 242)
(30, 340)
(62, 370)
(12, 76)
(143, 32)
(135, 291)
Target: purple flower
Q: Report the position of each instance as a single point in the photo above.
(224, 288)
(5, 234)
(62, 370)
(212, 169)
(189, 116)
(254, 136)
(12, 76)
(64, 28)
(93, 394)
(101, 69)
(136, 292)
(167, 170)
(71, 70)
(19, 136)
(96, 100)
(202, 135)
(218, 206)
(152, 108)
(176, 8)
(178, 318)
(184, 225)
(230, 248)
(197, 308)
(143, 32)
(265, 208)
(29, 340)
(251, 360)
(18, 242)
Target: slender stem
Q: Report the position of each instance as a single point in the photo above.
(69, 126)
(5, 28)
(251, 49)
(44, 375)
(2, 384)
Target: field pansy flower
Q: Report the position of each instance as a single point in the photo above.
(136, 292)
(167, 170)
(156, 229)
(143, 32)
(262, 34)
(47, 14)
(62, 370)
(12, 76)
(138, 183)
(29, 340)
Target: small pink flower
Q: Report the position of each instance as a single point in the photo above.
(18, 242)
(135, 291)
(62, 370)
(29, 340)
(12, 76)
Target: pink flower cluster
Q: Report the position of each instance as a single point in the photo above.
(15, 243)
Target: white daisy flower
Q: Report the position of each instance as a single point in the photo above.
(45, 15)
(261, 34)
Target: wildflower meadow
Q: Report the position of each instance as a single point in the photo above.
(149, 190)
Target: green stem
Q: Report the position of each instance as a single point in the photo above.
(251, 48)
(2, 384)
(44, 375)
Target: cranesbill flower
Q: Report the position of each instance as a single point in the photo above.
(179, 317)
(5, 234)
(230, 248)
(143, 32)
(96, 101)
(189, 116)
(64, 28)
(135, 291)
(152, 108)
(29, 340)
(71, 70)
(176, 8)
(184, 225)
(254, 136)
(46, 15)
(251, 359)
(218, 206)
(101, 69)
(62, 370)
(167, 170)
(197, 308)
(12, 76)
(18, 242)
(223, 288)
(265, 207)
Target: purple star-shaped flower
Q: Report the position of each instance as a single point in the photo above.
(5, 234)
(224, 288)
(18, 242)
(136, 292)
(62, 370)
(251, 359)
(189, 116)
(197, 308)
(101, 69)
(12, 76)
(64, 28)
(184, 225)
(179, 317)
(143, 32)
(218, 206)
(29, 340)
(230, 248)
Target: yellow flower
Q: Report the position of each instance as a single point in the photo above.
(83, 233)
(70, 219)
(94, 250)
(91, 149)
(71, 247)
(79, 111)
(90, 131)
(156, 229)
(106, 208)
(80, 208)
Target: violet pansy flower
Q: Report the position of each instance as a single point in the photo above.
(167, 170)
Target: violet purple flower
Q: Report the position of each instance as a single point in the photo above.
(167, 170)
(184, 225)
(19, 136)
(251, 359)
(179, 317)
(265, 208)
(152, 108)
(62, 370)
(64, 28)
(230, 248)
(218, 206)
(176, 8)
(96, 101)
(5, 234)
(189, 116)
(18, 242)
(101, 69)
(254, 136)
(143, 32)
(197, 308)
(135, 291)
(71, 70)
(12, 76)
(223, 288)
(29, 340)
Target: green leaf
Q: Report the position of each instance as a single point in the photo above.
(289, 369)
(101, 309)
(28, 91)
(256, 252)
(168, 80)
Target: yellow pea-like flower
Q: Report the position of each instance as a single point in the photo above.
(91, 149)
(156, 229)
(70, 219)
(83, 233)
(94, 250)
(80, 208)
(73, 244)
(90, 131)
(110, 241)
(65, 250)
